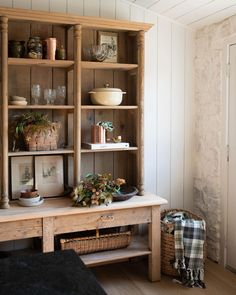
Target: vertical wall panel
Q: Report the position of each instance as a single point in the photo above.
(75, 7)
(58, 6)
(164, 109)
(177, 116)
(91, 8)
(136, 13)
(188, 124)
(150, 105)
(40, 5)
(122, 10)
(108, 9)
(6, 3)
(24, 4)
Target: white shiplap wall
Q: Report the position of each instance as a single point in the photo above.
(168, 92)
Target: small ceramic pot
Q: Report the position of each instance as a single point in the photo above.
(16, 48)
(35, 48)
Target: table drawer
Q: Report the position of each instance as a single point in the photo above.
(104, 219)
(22, 229)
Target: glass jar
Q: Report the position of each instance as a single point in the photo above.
(16, 48)
(35, 48)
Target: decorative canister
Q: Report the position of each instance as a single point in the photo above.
(35, 48)
(61, 53)
(16, 48)
(51, 44)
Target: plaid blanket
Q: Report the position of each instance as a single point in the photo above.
(189, 242)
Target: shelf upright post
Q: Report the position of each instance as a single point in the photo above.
(4, 199)
(140, 117)
(77, 102)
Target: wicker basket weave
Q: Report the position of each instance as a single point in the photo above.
(97, 243)
(168, 244)
(42, 140)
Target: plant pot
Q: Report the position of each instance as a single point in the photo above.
(106, 96)
(41, 139)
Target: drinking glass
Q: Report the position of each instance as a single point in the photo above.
(61, 94)
(49, 95)
(35, 93)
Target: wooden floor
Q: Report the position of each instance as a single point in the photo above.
(130, 278)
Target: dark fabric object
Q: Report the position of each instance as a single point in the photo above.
(54, 273)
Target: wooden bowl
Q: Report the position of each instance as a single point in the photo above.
(126, 192)
(31, 193)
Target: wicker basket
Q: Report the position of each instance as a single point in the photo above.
(168, 244)
(97, 243)
(43, 140)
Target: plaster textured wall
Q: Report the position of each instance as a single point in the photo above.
(208, 122)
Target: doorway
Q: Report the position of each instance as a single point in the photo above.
(231, 183)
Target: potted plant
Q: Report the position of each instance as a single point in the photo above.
(38, 132)
(107, 127)
(96, 189)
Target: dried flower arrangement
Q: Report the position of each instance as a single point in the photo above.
(96, 189)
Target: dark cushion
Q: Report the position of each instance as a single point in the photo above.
(54, 273)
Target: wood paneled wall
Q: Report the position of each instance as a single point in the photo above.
(168, 92)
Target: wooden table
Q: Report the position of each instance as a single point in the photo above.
(57, 216)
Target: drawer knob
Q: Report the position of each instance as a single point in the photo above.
(107, 218)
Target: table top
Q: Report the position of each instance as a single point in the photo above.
(63, 206)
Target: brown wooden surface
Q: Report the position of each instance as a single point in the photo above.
(131, 278)
(155, 245)
(140, 119)
(56, 216)
(77, 103)
(40, 62)
(60, 18)
(4, 114)
(107, 66)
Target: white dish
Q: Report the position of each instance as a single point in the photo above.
(18, 98)
(18, 103)
(29, 201)
(32, 204)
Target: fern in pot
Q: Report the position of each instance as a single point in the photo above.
(38, 132)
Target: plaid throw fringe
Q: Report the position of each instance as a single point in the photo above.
(189, 242)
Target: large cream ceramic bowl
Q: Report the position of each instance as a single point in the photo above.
(106, 96)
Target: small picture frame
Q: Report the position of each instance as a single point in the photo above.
(49, 176)
(22, 175)
(110, 39)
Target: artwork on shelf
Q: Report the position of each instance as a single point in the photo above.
(22, 175)
(49, 176)
(109, 39)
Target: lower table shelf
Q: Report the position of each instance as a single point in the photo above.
(137, 247)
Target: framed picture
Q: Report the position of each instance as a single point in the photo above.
(49, 176)
(22, 175)
(109, 39)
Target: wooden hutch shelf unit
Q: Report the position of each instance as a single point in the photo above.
(77, 115)
(80, 76)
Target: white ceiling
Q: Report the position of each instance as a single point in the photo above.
(193, 13)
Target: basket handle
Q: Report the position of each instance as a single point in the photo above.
(107, 218)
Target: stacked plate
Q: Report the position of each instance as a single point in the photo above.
(18, 100)
(29, 198)
(30, 202)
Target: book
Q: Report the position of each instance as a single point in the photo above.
(110, 145)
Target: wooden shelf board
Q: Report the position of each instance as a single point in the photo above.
(98, 107)
(138, 247)
(109, 150)
(107, 66)
(36, 153)
(40, 62)
(42, 107)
